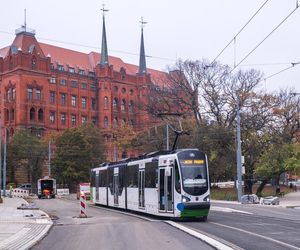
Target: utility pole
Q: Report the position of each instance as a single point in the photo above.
(0, 154)
(238, 151)
(4, 164)
(49, 160)
(167, 136)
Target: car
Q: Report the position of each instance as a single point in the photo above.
(26, 186)
(249, 199)
(270, 200)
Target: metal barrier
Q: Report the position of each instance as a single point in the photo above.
(18, 192)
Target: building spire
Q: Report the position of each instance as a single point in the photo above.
(142, 65)
(104, 52)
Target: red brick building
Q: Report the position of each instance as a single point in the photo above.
(48, 88)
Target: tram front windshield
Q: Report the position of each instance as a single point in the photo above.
(193, 172)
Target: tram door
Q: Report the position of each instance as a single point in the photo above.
(116, 189)
(142, 188)
(166, 189)
(97, 186)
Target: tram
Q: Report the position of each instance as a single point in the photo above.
(173, 184)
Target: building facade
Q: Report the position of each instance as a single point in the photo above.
(45, 88)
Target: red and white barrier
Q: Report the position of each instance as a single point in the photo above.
(82, 206)
(18, 192)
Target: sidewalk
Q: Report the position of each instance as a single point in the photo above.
(290, 200)
(21, 228)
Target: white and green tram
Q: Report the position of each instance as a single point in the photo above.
(171, 184)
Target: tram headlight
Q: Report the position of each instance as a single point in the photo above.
(185, 199)
(207, 198)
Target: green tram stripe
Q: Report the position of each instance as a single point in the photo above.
(194, 213)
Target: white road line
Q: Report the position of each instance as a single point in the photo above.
(228, 210)
(257, 235)
(203, 237)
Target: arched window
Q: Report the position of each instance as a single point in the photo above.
(12, 114)
(131, 106)
(32, 114)
(41, 115)
(115, 122)
(105, 122)
(33, 62)
(106, 102)
(6, 115)
(115, 104)
(123, 104)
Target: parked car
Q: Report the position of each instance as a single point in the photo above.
(270, 200)
(26, 186)
(249, 199)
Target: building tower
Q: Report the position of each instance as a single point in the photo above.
(104, 52)
(142, 64)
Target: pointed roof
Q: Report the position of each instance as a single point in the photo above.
(142, 64)
(104, 52)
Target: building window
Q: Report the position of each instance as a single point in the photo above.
(131, 106)
(81, 72)
(12, 114)
(115, 104)
(72, 70)
(83, 102)
(116, 88)
(105, 122)
(93, 104)
(38, 94)
(131, 92)
(52, 80)
(94, 120)
(63, 118)
(73, 100)
(83, 85)
(115, 122)
(13, 94)
(52, 97)
(93, 87)
(7, 115)
(123, 104)
(41, 115)
(7, 95)
(61, 68)
(73, 120)
(73, 84)
(123, 90)
(32, 114)
(63, 82)
(29, 93)
(52, 66)
(52, 117)
(63, 99)
(106, 102)
(83, 119)
(33, 63)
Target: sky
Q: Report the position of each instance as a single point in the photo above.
(191, 29)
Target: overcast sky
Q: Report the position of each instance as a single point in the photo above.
(192, 29)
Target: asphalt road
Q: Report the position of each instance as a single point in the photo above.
(106, 229)
(253, 226)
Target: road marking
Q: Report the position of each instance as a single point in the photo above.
(228, 210)
(203, 237)
(257, 235)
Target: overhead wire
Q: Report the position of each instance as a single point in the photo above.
(234, 38)
(265, 38)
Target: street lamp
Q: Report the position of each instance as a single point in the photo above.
(238, 151)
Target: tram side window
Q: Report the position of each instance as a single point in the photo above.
(102, 177)
(93, 178)
(110, 179)
(133, 172)
(177, 178)
(121, 179)
(151, 174)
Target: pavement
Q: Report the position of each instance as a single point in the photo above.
(21, 228)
